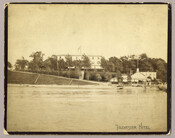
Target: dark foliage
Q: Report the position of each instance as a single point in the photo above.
(113, 67)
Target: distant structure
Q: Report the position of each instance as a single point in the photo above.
(114, 80)
(152, 75)
(125, 78)
(143, 76)
(94, 59)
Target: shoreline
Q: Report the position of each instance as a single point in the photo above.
(55, 85)
(77, 86)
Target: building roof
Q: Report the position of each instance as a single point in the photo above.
(80, 55)
(138, 76)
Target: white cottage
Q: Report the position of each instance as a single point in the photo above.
(138, 77)
(114, 80)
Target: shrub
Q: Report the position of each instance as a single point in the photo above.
(114, 75)
(92, 76)
(109, 77)
(74, 74)
(106, 77)
(98, 77)
(62, 73)
(87, 75)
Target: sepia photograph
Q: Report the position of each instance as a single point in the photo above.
(87, 68)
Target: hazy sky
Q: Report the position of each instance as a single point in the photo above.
(107, 30)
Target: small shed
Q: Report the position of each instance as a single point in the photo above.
(114, 80)
(125, 78)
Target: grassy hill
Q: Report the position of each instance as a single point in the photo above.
(15, 77)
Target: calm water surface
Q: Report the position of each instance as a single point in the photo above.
(85, 108)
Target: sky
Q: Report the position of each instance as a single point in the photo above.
(100, 29)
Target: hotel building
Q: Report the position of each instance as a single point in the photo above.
(94, 59)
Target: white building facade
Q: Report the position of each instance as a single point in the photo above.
(152, 75)
(94, 59)
(143, 76)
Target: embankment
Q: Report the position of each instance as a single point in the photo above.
(16, 77)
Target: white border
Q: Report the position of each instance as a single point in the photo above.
(2, 2)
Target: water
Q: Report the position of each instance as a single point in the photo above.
(85, 109)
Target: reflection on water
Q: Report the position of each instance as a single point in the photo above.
(85, 108)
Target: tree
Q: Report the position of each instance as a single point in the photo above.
(106, 76)
(143, 56)
(161, 66)
(87, 75)
(116, 63)
(126, 65)
(86, 61)
(53, 62)
(9, 65)
(111, 66)
(98, 77)
(47, 65)
(145, 65)
(61, 64)
(21, 64)
(37, 61)
(69, 62)
(78, 64)
(37, 56)
(104, 64)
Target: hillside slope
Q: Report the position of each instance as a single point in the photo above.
(16, 77)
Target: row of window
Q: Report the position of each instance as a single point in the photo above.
(82, 57)
(98, 62)
(94, 57)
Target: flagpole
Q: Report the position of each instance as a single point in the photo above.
(79, 50)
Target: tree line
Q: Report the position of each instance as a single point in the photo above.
(118, 66)
(128, 65)
(51, 63)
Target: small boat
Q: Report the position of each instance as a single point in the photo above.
(163, 88)
(120, 86)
